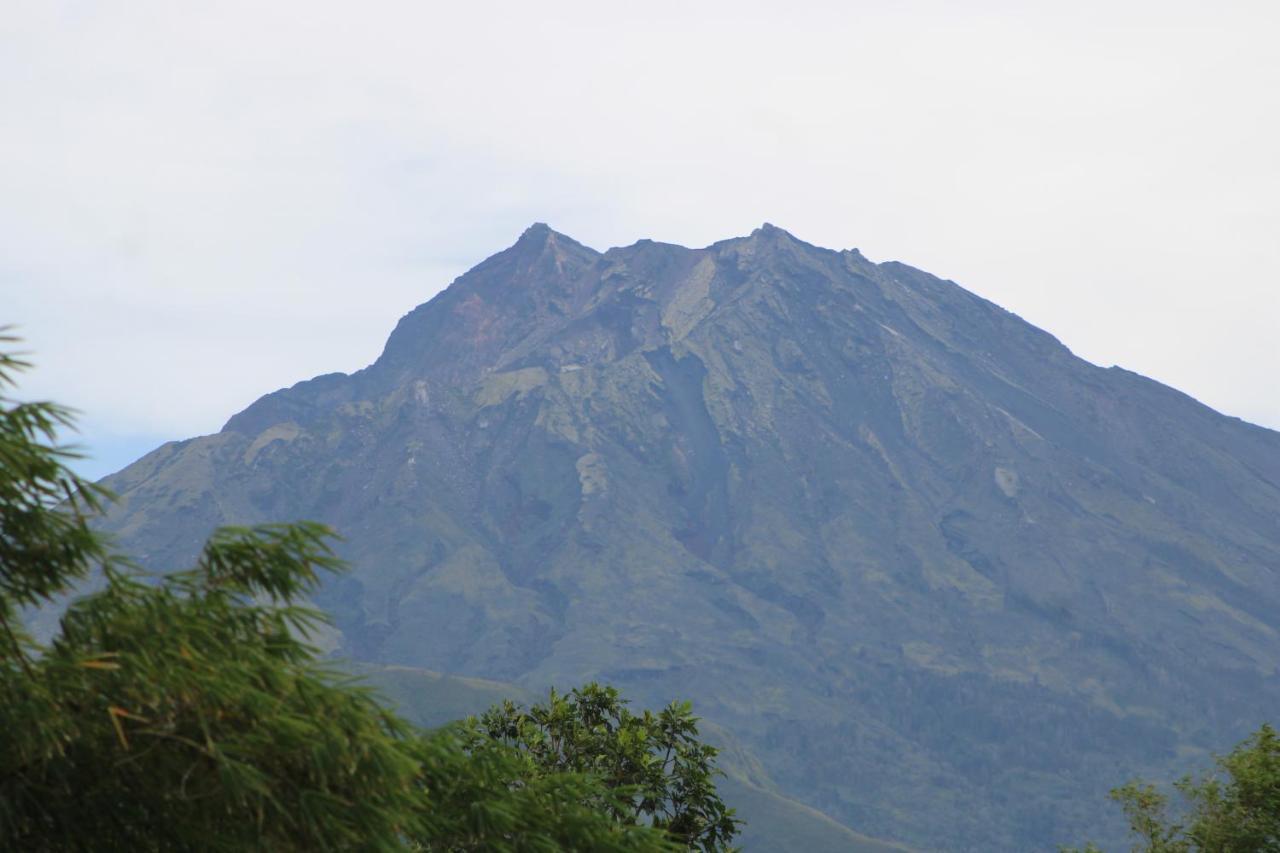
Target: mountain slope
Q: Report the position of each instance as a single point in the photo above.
(948, 581)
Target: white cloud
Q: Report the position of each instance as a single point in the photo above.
(202, 202)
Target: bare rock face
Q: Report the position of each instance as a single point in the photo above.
(947, 581)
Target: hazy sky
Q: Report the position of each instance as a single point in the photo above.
(202, 202)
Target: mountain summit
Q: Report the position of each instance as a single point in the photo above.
(944, 580)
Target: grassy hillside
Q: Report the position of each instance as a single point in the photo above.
(783, 825)
(432, 699)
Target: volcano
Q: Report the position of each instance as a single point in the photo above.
(929, 572)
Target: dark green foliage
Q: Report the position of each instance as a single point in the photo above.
(1235, 810)
(187, 711)
(42, 552)
(185, 714)
(656, 770)
(484, 798)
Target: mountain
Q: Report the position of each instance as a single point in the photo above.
(946, 581)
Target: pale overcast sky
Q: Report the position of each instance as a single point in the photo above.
(203, 202)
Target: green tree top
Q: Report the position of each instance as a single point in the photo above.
(664, 774)
(1233, 810)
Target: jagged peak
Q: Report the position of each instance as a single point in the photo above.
(538, 232)
(539, 246)
(540, 236)
(770, 237)
(768, 229)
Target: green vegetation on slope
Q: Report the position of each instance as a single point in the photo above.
(432, 699)
(781, 825)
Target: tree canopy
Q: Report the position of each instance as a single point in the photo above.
(1235, 809)
(653, 763)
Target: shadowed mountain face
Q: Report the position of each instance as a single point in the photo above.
(947, 581)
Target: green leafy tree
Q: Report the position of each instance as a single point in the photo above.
(654, 767)
(187, 712)
(483, 799)
(1233, 810)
